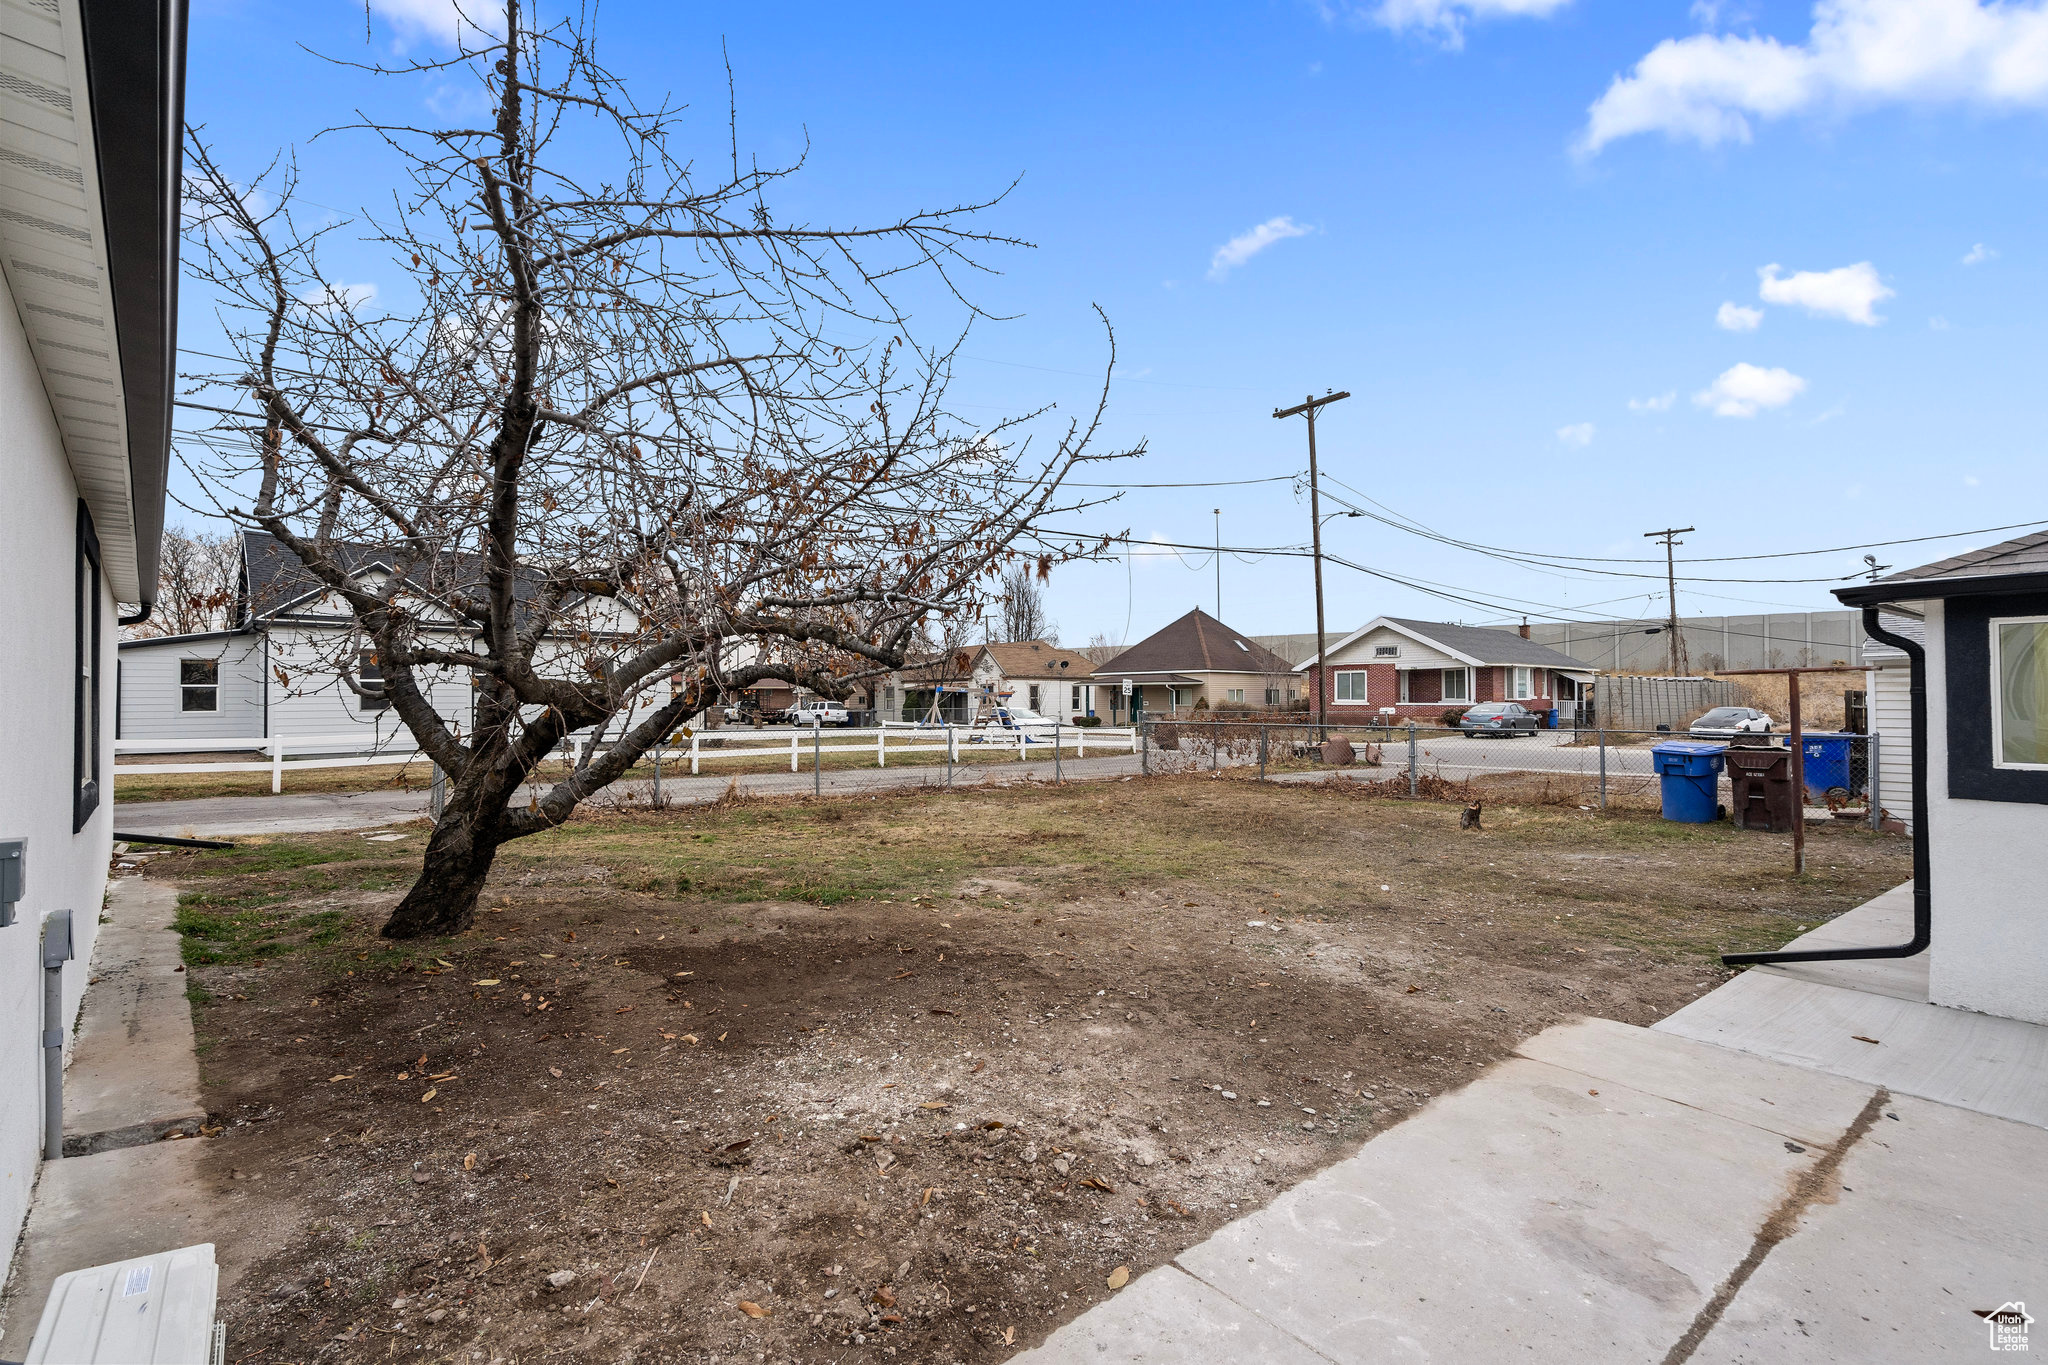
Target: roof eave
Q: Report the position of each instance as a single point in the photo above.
(1887, 591)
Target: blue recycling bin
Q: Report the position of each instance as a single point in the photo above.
(1827, 760)
(1550, 719)
(1690, 773)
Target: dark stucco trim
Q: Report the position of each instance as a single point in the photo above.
(1966, 636)
(1923, 589)
(135, 67)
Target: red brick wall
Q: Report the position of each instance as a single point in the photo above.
(1425, 692)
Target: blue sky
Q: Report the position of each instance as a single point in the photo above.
(1535, 240)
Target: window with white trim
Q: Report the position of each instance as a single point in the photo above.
(1521, 683)
(1233, 694)
(199, 684)
(1075, 705)
(2019, 692)
(1351, 685)
(1457, 684)
(1406, 675)
(1272, 696)
(370, 678)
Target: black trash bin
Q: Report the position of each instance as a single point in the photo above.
(1762, 779)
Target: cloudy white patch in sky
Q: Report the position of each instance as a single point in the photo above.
(1859, 54)
(339, 298)
(1577, 434)
(1660, 403)
(1850, 292)
(1246, 245)
(1734, 317)
(1445, 19)
(1743, 390)
(437, 20)
(1979, 254)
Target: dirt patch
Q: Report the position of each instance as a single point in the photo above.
(836, 1080)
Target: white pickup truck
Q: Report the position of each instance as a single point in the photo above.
(818, 711)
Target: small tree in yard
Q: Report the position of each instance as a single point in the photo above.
(611, 459)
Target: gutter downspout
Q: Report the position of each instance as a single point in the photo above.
(1923, 905)
(138, 618)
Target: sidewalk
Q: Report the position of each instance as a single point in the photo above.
(1615, 1193)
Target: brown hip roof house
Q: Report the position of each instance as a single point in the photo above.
(1197, 658)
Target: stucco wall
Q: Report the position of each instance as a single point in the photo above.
(1989, 867)
(66, 871)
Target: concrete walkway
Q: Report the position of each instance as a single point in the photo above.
(1615, 1193)
(132, 1088)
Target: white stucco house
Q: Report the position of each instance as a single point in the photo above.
(1978, 742)
(90, 126)
(279, 670)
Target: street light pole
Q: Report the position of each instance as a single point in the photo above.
(1315, 515)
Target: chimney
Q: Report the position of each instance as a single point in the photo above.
(1525, 627)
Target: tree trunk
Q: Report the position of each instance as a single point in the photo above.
(460, 852)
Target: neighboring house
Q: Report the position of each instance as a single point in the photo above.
(90, 122)
(1402, 668)
(1195, 659)
(278, 670)
(1984, 759)
(1031, 675)
(1887, 687)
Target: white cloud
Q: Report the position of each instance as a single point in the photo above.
(339, 298)
(1970, 481)
(1979, 254)
(1937, 323)
(441, 21)
(1733, 317)
(1660, 403)
(1445, 19)
(1849, 292)
(1577, 434)
(1860, 53)
(1742, 390)
(1246, 245)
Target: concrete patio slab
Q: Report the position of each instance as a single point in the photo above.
(1973, 1061)
(1882, 920)
(1929, 1225)
(1812, 1109)
(133, 1076)
(1167, 1317)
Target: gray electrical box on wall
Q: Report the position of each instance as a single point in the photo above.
(13, 877)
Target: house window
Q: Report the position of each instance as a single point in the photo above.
(1405, 676)
(85, 708)
(1233, 694)
(1386, 651)
(2019, 682)
(1075, 704)
(1521, 683)
(1457, 684)
(199, 684)
(1351, 685)
(1272, 696)
(370, 678)
(1034, 696)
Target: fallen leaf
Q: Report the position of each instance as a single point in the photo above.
(888, 1085)
(444, 962)
(1413, 989)
(706, 1216)
(886, 1297)
(487, 981)
(976, 1067)
(1009, 1336)
(752, 1309)
(892, 1319)
(429, 1095)
(1119, 1277)
(469, 1162)
(628, 1009)
(722, 1037)
(1592, 1092)
(1094, 1182)
(556, 1072)
(690, 1038)
(1861, 1039)
(685, 973)
(928, 1196)
(936, 1010)
(935, 1104)
(617, 1050)
(349, 1077)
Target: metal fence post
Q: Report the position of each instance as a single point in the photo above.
(1600, 722)
(949, 752)
(817, 760)
(1414, 762)
(1262, 753)
(1215, 744)
(437, 792)
(657, 771)
(1870, 782)
(1144, 743)
(1056, 752)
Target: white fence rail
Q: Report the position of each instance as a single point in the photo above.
(704, 747)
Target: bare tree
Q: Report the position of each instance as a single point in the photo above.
(622, 457)
(1023, 615)
(195, 584)
(1099, 650)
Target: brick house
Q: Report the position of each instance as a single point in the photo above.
(1402, 668)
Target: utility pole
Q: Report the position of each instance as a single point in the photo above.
(1674, 641)
(1315, 520)
(1219, 563)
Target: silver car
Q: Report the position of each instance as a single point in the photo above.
(1732, 720)
(1499, 718)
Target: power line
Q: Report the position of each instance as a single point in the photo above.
(1212, 483)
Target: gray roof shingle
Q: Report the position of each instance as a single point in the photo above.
(1491, 646)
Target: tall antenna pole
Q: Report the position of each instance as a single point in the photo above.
(1315, 519)
(1674, 642)
(1219, 563)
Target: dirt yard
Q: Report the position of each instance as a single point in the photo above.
(911, 1078)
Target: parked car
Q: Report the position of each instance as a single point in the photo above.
(1499, 718)
(818, 711)
(1732, 720)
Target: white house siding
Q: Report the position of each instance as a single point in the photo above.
(1989, 863)
(152, 699)
(1889, 692)
(66, 870)
(311, 701)
(1413, 654)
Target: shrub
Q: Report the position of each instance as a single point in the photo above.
(1450, 718)
(1087, 722)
